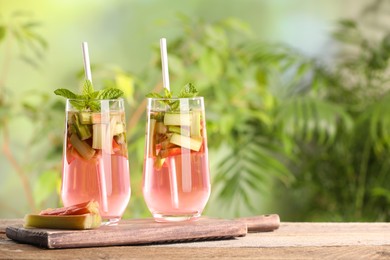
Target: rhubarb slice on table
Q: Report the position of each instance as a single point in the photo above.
(80, 216)
(85, 221)
(77, 209)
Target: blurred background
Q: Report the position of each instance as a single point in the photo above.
(297, 97)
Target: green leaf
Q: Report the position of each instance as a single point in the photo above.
(188, 91)
(154, 95)
(88, 88)
(79, 104)
(168, 94)
(2, 32)
(95, 94)
(109, 93)
(66, 93)
(93, 105)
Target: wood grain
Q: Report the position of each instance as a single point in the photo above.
(264, 223)
(131, 232)
(290, 241)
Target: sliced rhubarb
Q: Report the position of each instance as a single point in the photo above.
(118, 129)
(179, 130)
(85, 221)
(77, 209)
(177, 119)
(100, 118)
(85, 118)
(186, 142)
(195, 124)
(82, 130)
(99, 136)
(82, 147)
(120, 139)
(161, 128)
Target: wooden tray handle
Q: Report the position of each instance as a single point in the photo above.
(263, 223)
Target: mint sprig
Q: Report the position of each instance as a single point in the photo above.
(188, 91)
(87, 100)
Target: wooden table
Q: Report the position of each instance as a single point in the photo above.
(290, 241)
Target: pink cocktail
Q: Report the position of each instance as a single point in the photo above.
(176, 180)
(95, 163)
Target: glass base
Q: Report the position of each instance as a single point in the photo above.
(110, 221)
(158, 217)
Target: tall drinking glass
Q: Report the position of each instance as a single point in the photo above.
(95, 163)
(176, 180)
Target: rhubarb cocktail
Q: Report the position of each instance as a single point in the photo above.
(176, 182)
(95, 161)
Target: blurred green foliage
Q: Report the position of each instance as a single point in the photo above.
(312, 135)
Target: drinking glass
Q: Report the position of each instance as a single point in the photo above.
(176, 180)
(95, 163)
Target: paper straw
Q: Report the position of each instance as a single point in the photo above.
(173, 183)
(87, 66)
(186, 181)
(164, 63)
(172, 168)
(186, 172)
(102, 181)
(100, 167)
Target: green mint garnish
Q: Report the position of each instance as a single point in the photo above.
(66, 93)
(87, 100)
(188, 91)
(109, 93)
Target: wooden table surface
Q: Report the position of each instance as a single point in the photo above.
(290, 241)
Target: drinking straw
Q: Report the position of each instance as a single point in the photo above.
(186, 181)
(100, 165)
(87, 66)
(172, 172)
(173, 182)
(164, 62)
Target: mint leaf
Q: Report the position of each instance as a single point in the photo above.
(95, 94)
(66, 93)
(88, 99)
(109, 93)
(168, 94)
(94, 106)
(79, 104)
(188, 91)
(154, 95)
(88, 89)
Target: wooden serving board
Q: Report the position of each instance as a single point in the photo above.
(142, 231)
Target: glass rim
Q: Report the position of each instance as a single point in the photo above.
(97, 100)
(175, 98)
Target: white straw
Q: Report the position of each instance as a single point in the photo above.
(100, 167)
(102, 183)
(164, 62)
(87, 66)
(172, 172)
(173, 183)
